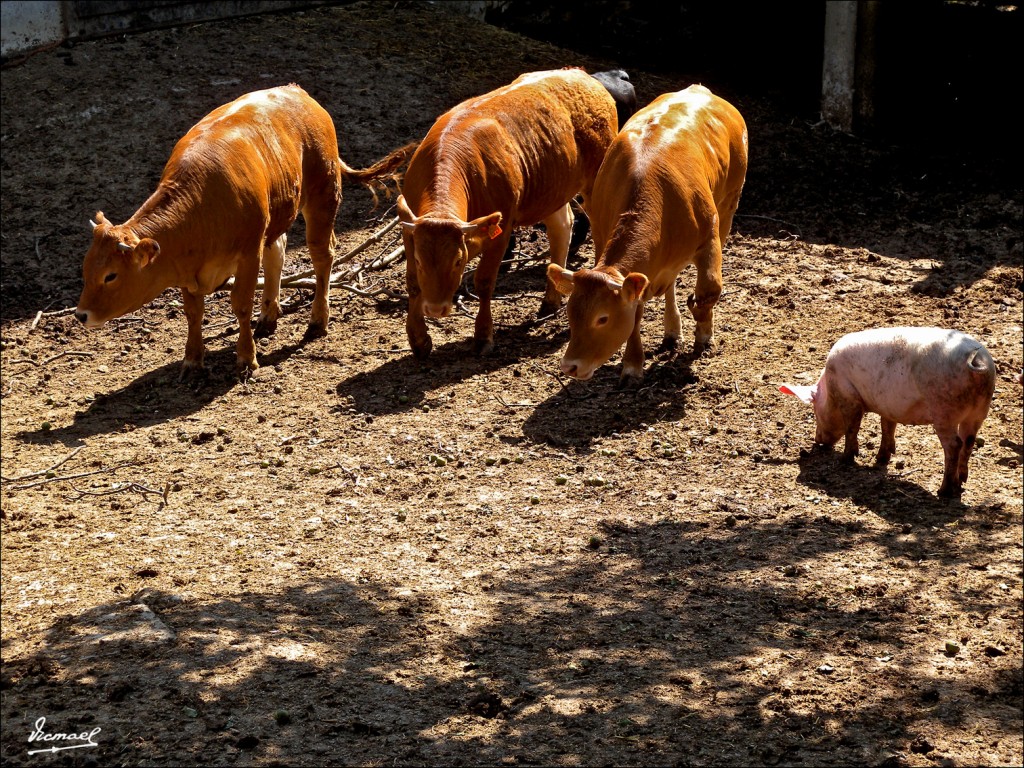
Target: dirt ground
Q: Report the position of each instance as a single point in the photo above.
(355, 558)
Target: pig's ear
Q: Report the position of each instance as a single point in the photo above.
(807, 394)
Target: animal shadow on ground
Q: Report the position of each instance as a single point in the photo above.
(879, 489)
(584, 411)
(401, 384)
(156, 397)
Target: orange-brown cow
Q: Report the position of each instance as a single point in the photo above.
(227, 197)
(512, 157)
(664, 198)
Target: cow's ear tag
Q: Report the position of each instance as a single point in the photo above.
(493, 231)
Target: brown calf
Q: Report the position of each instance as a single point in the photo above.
(227, 197)
(512, 157)
(664, 198)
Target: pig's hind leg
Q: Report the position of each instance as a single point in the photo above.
(968, 432)
(953, 450)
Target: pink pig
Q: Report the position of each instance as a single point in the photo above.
(907, 376)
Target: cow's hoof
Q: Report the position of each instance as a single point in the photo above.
(422, 351)
(951, 491)
(703, 347)
(314, 331)
(630, 381)
(192, 370)
(482, 346)
(264, 327)
(668, 345)
(246, 368)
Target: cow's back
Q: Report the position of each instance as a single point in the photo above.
(674, 165)
(526, 148)
(253, 160)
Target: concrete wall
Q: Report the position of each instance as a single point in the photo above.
(32, 24)
(25, 26)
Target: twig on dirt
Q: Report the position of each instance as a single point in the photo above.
(379, 290)
(19, 478)
(374, 238)
(558, 378)
(61, 478)
(47, 361)
(501, 400)
(300, 279)
(129, 486)
(768, 218)
(387, 261)
(350, 472)
(56, 312)
(67, 353)
(39, 316)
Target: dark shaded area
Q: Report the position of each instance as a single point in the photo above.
(944, 70)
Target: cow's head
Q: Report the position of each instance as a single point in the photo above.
(440, 249)
(602, 312)
(830, 423)
(117, 273)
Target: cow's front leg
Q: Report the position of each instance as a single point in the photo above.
(483, 282)
(701, 302)
(415, 325)
(673, 324)
(242, 298)
(270, 306)
(559, 227)
(195, 351)
(633, 357)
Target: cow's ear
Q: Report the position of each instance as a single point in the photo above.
(806, 394)
(479, 231)
(146, 251)
(561, 278)
(634, 285)
(405, 214)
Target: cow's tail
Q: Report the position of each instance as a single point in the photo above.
(376, 176)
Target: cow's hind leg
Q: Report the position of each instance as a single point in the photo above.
(270, 307)
(559, 226)
(319, 214)
(243, 295)
(701, 302)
